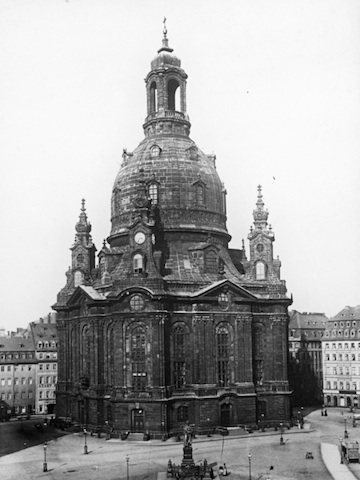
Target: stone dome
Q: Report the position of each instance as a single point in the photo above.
(190, 192)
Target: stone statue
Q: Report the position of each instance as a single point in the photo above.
(187, 436)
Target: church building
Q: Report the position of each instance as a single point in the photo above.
(169, 325)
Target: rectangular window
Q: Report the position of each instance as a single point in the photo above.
(9, 396)
(3, 382)
(3, 396)
(41, 366)
(47, 366)
(139, 375)
(40, 394)
(9, 381)
(2, 368)
(23, 381)
(9, 368)
(16, 381)
(30, 394)
(23, 395)
(30, 381)
(179, 374)
(54, 366)
(335, 384)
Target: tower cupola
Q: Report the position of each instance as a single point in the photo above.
(166, 94)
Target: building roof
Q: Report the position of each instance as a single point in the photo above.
(348, 313)
(307, 320)
(16, 344)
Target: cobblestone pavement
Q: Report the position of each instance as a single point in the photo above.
(106, 460)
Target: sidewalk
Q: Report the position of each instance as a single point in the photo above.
(331, 458)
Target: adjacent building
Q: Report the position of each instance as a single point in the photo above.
(28, 368)
(306, 331)
(17, 375)
(341, 359)
(44, 335)
(171, 325)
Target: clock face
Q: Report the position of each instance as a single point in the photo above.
(260, 247)
(139, 238)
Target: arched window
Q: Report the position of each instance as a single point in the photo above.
(179, 345)
(200, 194)
(222, 340)
(138, 355)
(111, 352)
(173, 95)
(86, 356)
(260, 271)
(138, 263)
(211, 262)
(153, 97)
(154, 193)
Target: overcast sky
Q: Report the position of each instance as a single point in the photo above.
(273, 91)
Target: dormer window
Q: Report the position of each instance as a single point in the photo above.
(155, 151)
(138, 263)
(211, 262)
(260, 271)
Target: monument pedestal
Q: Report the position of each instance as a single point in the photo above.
(188, 458)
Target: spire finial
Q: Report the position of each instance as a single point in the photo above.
(83, 205)
(165, 41)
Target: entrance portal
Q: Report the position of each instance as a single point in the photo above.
(137, 420)
(225, 415)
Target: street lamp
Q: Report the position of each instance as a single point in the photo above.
(345, 431)
(127, 467)
(208, 422)
(45, 464)
(341, 452)
(249, 457)
(281, 434)
(85, 444)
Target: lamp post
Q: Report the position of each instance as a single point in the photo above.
(346, 435)
(85, 444)
(208, 422)
(249, 457)
(341, 452)
(127, 467)
(45, 464)
(281, 434)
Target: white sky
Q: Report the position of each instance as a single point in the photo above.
(273, 91)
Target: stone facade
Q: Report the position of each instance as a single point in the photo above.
(306, 331)
(172, 326)
(341, 359)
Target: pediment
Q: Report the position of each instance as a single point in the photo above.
(224, 286)
(83, 295)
